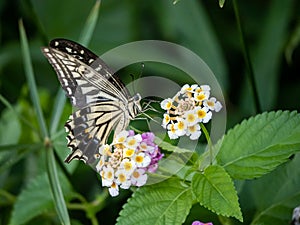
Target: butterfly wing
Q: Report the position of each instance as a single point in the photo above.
(82, 84)
(89, 128)
(101, 98)
(89, 58)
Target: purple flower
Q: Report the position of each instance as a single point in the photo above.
(148, 138)
(131, 133)
(155, 157)
(200, 223)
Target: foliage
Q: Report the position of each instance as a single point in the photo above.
(216, 183)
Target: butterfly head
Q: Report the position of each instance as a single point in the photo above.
(136, 106)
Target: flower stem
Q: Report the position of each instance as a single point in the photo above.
(210, 146)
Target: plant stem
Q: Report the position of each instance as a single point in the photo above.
(247, 58)
(210, 146)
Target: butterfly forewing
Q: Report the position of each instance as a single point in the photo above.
(104, 103)
(89, 58)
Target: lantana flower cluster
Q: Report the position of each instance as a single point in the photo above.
(190, 106)
(126, 161)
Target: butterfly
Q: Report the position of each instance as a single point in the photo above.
(102, 101)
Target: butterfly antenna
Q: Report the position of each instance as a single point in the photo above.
(148, 107)
(132, 77)
(145, 118)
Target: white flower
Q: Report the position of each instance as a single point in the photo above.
(114, 190)
(107, 175)
(166, 120)
(146, 148)
(139, 178)
(203, 114)
(180, 127)
(201, 96)
(128, 166)
(194, 132)
(128, 152)
(166, 104)
(187, 88)
(142, 159)
(100, 164)
(172, 131)
(205, 87)
(133, 141)
(105, 150)
(121, 137)
(190, 117)
(122, 179)
(213, 104)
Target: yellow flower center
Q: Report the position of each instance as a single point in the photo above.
(121, 139)
(167, 118)
(139, 159)
(191, 118)
(169, 105)
(109, 175)
(210, 103)
(127, 166)
(129, 152)
(180, 125)
(200, 97)
(135, 174)
(172, 128)
(192, 129)
(131, 142)
(201, 113)
(122, 177)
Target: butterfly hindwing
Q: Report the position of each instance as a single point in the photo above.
(89, 128)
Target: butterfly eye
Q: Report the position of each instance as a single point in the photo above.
(137, 97)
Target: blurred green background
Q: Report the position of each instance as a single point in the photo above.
(272, 34)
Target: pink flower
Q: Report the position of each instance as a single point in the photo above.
(200, 223)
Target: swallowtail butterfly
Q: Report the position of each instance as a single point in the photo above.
(102, 101)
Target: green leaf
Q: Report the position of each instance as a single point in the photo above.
(221, 3)
(59, 104)
(214, 190)
(56, 188)
(169, 147)
(30, 79)
(89, 27)
(167, 202)
(11, 154)
(60, 146)
(205, 44)
(293, 43)
(35, 199)
(10, 128)
(273, 37)
(276, 205)
(258, 145)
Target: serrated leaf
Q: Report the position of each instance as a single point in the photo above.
(163, 203)
(35, 199)
(258, 145)
(214, 190)
(275, 206)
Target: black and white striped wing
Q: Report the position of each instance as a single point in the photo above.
(83, 84)
(91, 59)
(101, 98)
(88, 128)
